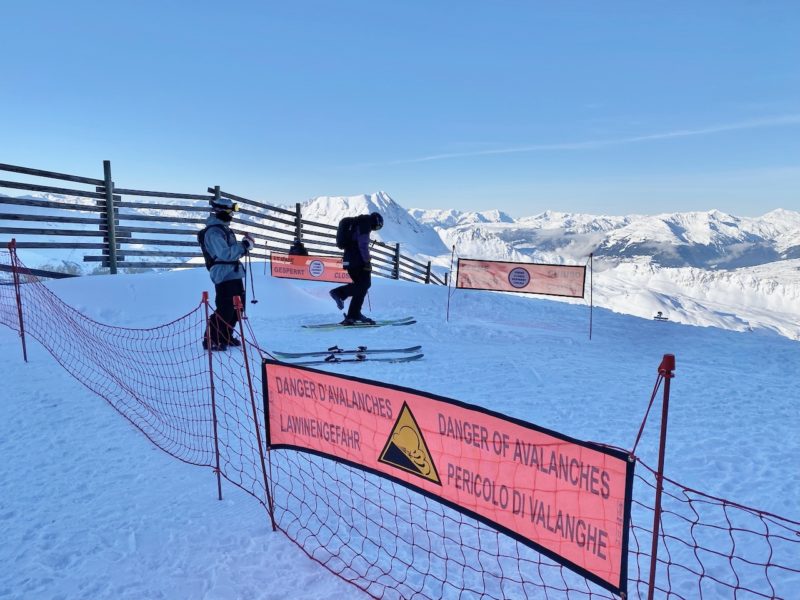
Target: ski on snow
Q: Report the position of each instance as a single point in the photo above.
(378, 323)
(332, 359)
(335, 350)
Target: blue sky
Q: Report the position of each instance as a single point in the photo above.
(598, 107)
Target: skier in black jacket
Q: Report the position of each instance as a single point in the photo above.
(358, 262)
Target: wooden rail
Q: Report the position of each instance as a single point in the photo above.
(129, 233)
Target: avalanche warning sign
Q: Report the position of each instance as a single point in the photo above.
(566, 498)
(406, 448)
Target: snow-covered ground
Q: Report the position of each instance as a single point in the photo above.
(763, 297)
(90, 509)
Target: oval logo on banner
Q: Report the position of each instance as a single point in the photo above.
(316, 268)
(519, 277)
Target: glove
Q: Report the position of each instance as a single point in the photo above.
(368, 267)
(248, 241)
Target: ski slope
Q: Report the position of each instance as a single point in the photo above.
(90, 509)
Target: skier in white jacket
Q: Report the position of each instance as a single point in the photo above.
(222, 253)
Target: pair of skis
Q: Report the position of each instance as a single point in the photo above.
(335, 355)
(378, 323)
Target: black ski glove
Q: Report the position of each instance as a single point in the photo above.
(248, 242)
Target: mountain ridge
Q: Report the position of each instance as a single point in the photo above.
(701, 239)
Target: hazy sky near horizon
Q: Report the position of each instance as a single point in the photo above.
(604, 108)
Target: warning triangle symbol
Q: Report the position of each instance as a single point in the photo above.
(406, 448)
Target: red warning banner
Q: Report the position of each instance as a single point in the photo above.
(316, 268)
(566, 498)
(529, 278)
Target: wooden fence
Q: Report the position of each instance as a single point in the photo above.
(158, 230)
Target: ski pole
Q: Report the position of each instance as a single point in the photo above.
(252, 284)
(244, 279)
(450, 281)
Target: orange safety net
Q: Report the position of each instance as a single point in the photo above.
(384, 537)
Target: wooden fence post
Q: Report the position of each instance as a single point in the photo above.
(298, 226)
(396, 274)
(428, 273)
(297, 246)
(111, 234)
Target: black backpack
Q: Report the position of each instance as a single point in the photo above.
(210, 260)
(344, 233)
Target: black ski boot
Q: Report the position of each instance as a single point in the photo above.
(337, 299)
(216, 346)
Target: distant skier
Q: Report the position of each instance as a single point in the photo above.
(222, 252)
(357, 260)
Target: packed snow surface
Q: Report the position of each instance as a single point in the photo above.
(90, 509)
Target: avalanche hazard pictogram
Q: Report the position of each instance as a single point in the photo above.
(406, 448)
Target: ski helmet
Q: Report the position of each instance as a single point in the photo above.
(377, 221)
(224, 205)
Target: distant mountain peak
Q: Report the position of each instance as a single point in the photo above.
(457, 218)
(399, 225)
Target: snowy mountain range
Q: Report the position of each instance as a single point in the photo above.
(710, 240)
(702, 268)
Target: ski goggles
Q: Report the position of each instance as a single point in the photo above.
(227, 207)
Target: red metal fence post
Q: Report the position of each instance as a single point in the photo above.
(237, 304)
(213, 398)
(665, 369)
(12, 249)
